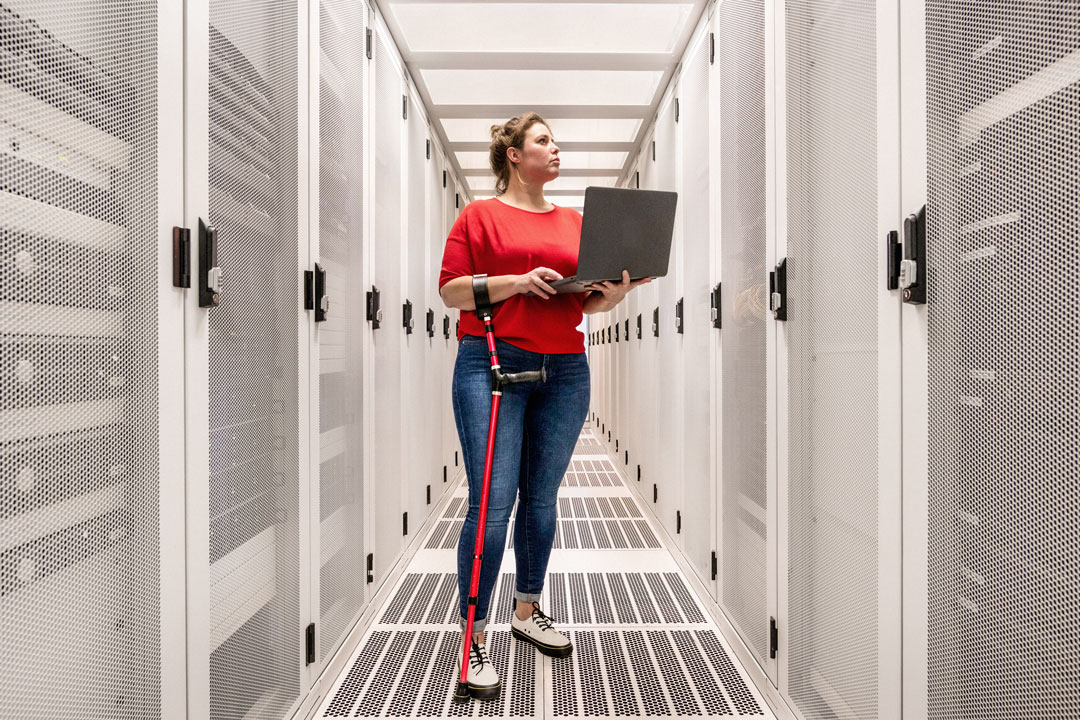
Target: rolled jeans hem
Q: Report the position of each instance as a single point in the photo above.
(478, 625)
(526, 597)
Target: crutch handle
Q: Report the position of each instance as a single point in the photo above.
(523, 377)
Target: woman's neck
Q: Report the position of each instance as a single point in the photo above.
(525, 196)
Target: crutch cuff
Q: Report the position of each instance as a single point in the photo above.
(480, 295)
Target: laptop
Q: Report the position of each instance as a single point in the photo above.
(622, 228)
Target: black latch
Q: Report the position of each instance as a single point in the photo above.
(310, 644)
(714, 306)
(616, 332)
(626, 457)
(654, 150)
(315, 297)
(369, 56)
(676, 109)
(774, 638)
(427, 151)
(678, 521)
(455, 458)
(616, 444)
(654, 492)
(209, 272)
(712, 48)
(895, 253)
(406, 317)
(713, 564)
(431, 322)
(444, 473)
(428, 494)
(778, 301)
(679, 316)
(371, 567)
(446, 326)
(181, 254)
(444, 185)
(374, 312)
(637, 184)
(609, 333)
(457, 204)
(913, 267)
(626, 328)
(656, 322)
(638, 332)
(457, 327)
(639, 473)
(404, 523)
(404, 107)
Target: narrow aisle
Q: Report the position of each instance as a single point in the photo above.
(643, 644)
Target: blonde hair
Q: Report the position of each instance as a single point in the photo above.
(509, 134)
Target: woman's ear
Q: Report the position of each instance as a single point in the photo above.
(513, 154)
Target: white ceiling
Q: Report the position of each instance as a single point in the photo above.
(595, 70)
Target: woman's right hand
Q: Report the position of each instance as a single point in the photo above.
(536, 282)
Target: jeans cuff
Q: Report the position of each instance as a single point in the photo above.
(478, 625)
(526, 597)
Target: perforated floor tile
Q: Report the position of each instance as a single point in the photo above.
(644, 645)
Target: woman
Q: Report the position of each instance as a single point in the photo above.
(522, 242)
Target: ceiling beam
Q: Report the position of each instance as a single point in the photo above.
(569, 172)
(549, 111)
(583, 146)
(539, 61)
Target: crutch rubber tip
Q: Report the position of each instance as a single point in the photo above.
(461, 694)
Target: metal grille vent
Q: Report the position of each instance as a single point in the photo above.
(400, 674)
(832, 419)
(79, 464)
(589, 446)
(598, 535)
(581, 598)
(591, 473)
(596, 507)
(741, 56)
(1004, 456)
(646, 674)
(342, 64)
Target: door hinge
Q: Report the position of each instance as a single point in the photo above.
(371, 567)
(181, 254)
(713, 566)
(444, 185)
(678, 522)
(913, 267)
(894, 251)
(404, 523)
(429, 499)
(714, 306)
(655, 494)
(778, 301)
(712, 56)
(368, 43)
(315, 297)
(655, 325)
(638, 337)
(406, 317)
(427, 153)
(209, 272)
(374, 312)
(679, 316)
(774, 638)
(310, 644)
(404, 107)
(431, 323)
(676, 109)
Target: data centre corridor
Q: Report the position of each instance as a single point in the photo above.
(831, 463)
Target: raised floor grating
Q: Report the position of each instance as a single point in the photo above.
(644, 644)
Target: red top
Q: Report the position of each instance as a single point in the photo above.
(498, 239)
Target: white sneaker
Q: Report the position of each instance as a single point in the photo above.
(539, 631)
(483, 678)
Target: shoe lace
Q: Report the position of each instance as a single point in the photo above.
(542, 621)
(478, 656)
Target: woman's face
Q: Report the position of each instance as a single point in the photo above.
(538, 159)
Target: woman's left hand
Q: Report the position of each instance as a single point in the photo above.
(615, 292)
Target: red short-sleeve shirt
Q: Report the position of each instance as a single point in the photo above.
(492, 237)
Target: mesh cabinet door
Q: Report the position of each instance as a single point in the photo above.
(841, 454)
(256, 655)
(1003, 480)
(91, 435)
(743, 485)
(342, 69)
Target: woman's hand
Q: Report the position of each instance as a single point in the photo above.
(536, 281)
(615, 292)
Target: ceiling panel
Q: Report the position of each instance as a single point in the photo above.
(590, 160)
(486, 185)
(564, 129)
(541, 87)
(552, 27)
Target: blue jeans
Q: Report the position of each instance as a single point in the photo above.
(539, 424)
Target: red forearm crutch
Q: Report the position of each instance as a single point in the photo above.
(499, 379)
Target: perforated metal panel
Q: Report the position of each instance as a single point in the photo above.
(342, 66)
(255, 630)
(740, 54)
(419, 387)
(832, 335)
(1003, 84)
(80, 607)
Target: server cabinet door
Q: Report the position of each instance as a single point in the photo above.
(651, 386)
(438, 356)
(91, 341)
(744, 560)
(387, 493)
(417, 445)
(338, 572)
(838, 401)
(992, 512)
(255, 102)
